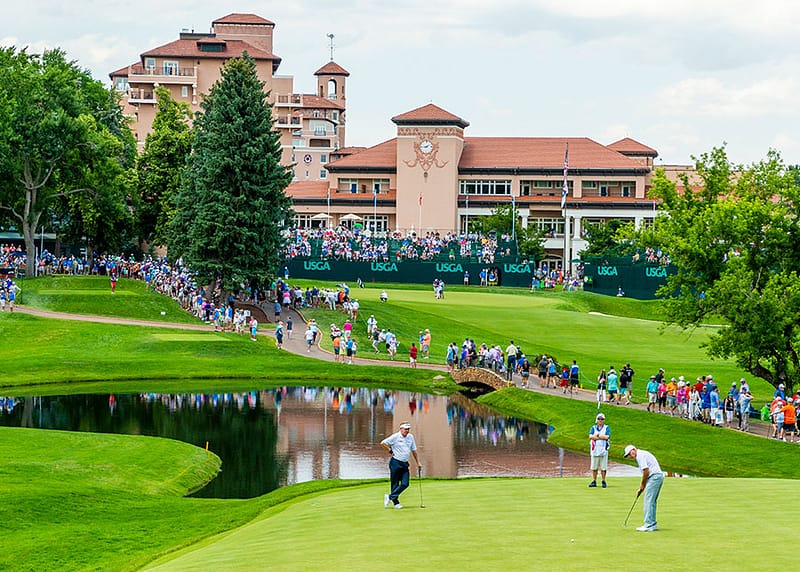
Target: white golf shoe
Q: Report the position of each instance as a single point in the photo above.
(398, 505)
(645, 528)
(386, 501)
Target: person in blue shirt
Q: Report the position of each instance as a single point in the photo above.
(716, 405)
(780, 392)
(652, 393)
(705, 404)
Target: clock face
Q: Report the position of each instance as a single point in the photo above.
(426, 146)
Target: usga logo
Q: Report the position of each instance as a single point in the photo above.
(607, 271)
(655, 272)
(517, 268)
(448, 267)
(384, 267)
(314, 265)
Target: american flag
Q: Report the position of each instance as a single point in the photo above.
(420, 198)
(565, 188)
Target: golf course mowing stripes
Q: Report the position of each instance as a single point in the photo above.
(508, 524)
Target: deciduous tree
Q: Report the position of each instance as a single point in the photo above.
(61, 134)
(734, 236)
(160, 166)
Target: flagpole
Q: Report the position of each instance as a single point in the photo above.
(374, 211)
(564, 193)
(419, 224)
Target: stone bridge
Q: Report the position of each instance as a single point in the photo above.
(479, 376)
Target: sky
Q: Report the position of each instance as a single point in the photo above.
(682, 76)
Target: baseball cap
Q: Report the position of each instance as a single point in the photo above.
(405, 426)
(600, 416)
(743, 380)
(628, 449)
(780, 386)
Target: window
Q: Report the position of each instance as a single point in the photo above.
(542, 184)
(150, 63)
(379, 185)
(323, 158)
(470, 187)
(316, 113)
(323, 174)
(298, 142)
(170, 68)
(294, 158)
(376, 224)
(549, 226)
(350, 185)
(628, 188)
(185, 91)
(121, 83)
(603, 189)
(336, 116)
(589, 184)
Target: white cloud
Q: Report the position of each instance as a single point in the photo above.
(711, 97)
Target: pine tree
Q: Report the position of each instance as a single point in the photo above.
(232, 203)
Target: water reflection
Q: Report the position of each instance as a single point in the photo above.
(273, 437)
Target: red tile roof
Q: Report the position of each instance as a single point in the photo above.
(332, 68)
(382, 155)
(315, 101)
(429, 114)
(308, 189)
(122, 72)
(506, 153)
(541, 152)
(243, 19)
(628, 146)
(190, 49)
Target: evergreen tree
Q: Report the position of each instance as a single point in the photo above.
(160, 165)
(232, 203)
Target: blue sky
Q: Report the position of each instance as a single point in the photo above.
(680, 76)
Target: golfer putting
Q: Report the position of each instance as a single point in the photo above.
(652, 479)
(401, 446)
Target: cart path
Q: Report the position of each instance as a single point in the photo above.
(297, 345)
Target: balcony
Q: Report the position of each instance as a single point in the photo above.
(183, 76)
(137, 95)
(288, 100)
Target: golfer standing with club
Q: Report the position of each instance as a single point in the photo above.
(401, 446)
(652, 479)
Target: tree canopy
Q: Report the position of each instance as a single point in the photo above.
(160, 165)
(501, 220)
(232, 202)
(62, 134)
(734, 235)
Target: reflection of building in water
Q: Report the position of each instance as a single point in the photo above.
(336, 434)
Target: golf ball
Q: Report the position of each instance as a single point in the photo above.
(572, 540)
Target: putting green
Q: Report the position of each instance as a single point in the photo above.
(496, 524)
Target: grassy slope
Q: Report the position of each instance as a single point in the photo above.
(518, 524)
(597, 331)
(681, 446)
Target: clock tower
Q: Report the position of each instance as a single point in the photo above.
(429, 145)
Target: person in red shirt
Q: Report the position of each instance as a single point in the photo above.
(412, 354)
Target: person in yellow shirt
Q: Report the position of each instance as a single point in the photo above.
(672, 396)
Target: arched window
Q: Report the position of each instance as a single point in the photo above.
(331, 89)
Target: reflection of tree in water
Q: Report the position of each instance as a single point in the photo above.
(475, 423)
(225, 421)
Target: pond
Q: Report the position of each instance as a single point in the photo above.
(270, 438)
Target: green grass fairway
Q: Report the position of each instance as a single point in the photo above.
(597, 331)
(91, 295)
(492, 524)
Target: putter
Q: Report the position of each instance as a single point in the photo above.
(625, 524)
(419, 480)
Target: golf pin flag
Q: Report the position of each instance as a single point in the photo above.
(565, 187)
